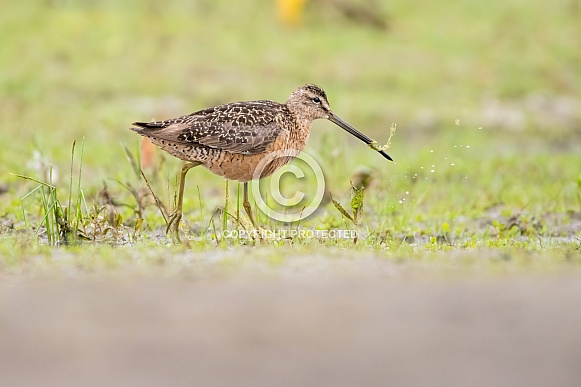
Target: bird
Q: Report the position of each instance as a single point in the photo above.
(243, 141)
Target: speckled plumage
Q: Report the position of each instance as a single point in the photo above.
(232, 139)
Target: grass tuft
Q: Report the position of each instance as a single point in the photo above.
(60, 222)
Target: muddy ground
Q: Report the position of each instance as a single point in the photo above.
(292, 331)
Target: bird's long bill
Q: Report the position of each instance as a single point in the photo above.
(339, 122)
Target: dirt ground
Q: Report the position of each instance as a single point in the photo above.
(292, 331)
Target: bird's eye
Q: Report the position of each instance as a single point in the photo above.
(316, 100)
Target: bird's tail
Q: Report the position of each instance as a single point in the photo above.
(143, 126)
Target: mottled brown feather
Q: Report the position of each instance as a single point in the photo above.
(241, 127)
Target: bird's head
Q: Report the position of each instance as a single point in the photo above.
(310, 102)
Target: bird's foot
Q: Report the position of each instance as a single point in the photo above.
(248, 210)
(174, 224)
(250, 230)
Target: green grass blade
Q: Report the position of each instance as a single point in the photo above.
(71, 180)
(78, 209)
(33, 179)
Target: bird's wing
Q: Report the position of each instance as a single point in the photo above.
(243, 127)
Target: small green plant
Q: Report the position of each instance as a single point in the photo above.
(100, 222)
(374, 145)
(357, 196)
(61, 222)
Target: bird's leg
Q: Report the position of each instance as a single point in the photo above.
(247, 207)
(176, 216)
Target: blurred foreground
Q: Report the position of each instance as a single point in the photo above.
(291, 331)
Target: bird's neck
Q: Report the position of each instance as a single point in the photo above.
(293, 105)
(300, 134)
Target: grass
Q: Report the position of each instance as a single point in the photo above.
(488, 158)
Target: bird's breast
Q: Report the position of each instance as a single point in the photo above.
(235, 166)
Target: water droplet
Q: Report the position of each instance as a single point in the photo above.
(407, 192)
(467, 146)
(452, 164)
(401, 202)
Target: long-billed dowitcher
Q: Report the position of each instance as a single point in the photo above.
(232, 140)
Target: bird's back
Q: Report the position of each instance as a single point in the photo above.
(240, 127)
(231, 140)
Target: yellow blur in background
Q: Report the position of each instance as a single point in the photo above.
(290, 12)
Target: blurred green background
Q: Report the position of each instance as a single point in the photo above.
(486, 182)
(486, 95)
